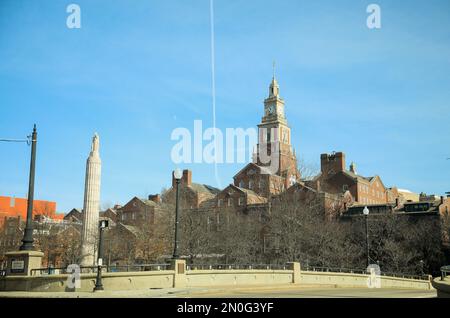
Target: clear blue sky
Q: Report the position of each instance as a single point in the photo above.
(138, 69)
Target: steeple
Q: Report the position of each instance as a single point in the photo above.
(274, 88)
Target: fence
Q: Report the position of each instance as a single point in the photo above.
(105, 268)
(157, 267)
(362, 271)
(236, 266)
(444, 271)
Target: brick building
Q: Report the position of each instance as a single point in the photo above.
(17, 207)
(335, 178)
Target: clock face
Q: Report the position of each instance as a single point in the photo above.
(271, 109)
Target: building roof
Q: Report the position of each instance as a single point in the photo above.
(204, 188)
(132, 229)
(261, 169)
(253, 196)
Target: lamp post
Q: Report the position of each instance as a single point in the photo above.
(27, 241)
(366, 213)
(421, 268)
(177, 175)
(103, 224)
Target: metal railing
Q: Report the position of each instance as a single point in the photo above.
(236, 266)
(362, 271)
(105, 268)
(305, 268)
(445, 270)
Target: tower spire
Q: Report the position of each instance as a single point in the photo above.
(274, 88)
(273, 69)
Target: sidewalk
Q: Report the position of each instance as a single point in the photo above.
(158, 292)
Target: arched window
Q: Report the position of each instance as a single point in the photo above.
(250, 184)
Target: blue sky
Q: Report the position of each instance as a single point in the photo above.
(134, 72)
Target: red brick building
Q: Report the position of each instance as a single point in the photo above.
(335, 178)
(17, 207)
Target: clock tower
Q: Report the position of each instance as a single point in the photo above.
(274, 134)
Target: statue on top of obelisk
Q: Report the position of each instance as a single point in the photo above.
(91, 206)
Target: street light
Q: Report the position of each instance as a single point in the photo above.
(27, 241)
(421, 267)
(103, 224)
(177, 175)
(366, 213)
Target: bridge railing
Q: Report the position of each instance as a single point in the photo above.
(236, 266)
(105, 268)
(306, 268)
(362, 271)
(445, 270)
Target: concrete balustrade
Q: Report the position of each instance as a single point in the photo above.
(178, 276)
(442, 286)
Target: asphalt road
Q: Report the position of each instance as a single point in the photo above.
(327, 292)
(242, 292)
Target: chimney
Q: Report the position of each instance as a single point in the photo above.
(155, 198)
(333, 162)
(187, 177)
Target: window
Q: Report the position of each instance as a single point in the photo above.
(229, 202)
(240, 201)
(344, 187)
(219, 202)
(250, 185)
(268, 139)
(241, 184)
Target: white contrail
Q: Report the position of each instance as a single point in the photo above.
(213, 88)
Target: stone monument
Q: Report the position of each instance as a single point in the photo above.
(91, 206)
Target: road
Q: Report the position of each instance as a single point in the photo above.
(242, 292)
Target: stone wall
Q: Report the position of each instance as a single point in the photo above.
(179, 277)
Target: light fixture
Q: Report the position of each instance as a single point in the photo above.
(177, 174)
(366, 211)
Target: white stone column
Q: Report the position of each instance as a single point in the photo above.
(91, 206)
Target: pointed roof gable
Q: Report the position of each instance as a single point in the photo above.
(255, 167)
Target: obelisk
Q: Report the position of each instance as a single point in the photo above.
(91, 206)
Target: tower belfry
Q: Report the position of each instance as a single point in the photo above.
(274, 129)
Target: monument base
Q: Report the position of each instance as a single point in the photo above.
(179, 266)
(20, 263)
